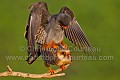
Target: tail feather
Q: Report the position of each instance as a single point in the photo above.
(32, 57)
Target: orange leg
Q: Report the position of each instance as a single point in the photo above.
(50, 45)
(48, 66)
(55, 46)
(63, 67)
(51, 71)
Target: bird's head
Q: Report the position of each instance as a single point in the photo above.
(63, 54)
(64, 57)
(64, 20)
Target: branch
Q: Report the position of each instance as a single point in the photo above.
(10, 72)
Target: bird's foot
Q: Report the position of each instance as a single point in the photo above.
(50, 45)
(55, 46)
(51, 71)
(63, 67)
(45, 46)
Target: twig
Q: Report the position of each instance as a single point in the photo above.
(10, 72)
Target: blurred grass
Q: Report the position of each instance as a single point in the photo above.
(99, 19)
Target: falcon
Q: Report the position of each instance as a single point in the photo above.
(44, 31)
(56, 56)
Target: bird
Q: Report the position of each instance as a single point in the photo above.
(56, 56)
(46, 31)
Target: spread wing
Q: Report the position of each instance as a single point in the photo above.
(74, 32)
(36, 23)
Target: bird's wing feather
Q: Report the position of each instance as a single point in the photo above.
(36, 23)
(74, 32)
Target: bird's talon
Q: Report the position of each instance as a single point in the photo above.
(51, 71)
(55, 46)
(63, 67)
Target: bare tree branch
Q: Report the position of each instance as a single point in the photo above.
(10, 72)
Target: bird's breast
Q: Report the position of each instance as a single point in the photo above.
(55, 35)
(58, 36)
(64, 61)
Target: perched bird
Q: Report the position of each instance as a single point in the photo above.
(56, 56)
(45, 31)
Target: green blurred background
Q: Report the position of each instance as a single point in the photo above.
(99, 19)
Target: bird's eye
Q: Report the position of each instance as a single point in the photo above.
(62, 53)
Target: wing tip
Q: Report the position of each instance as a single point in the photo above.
(42, 3)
